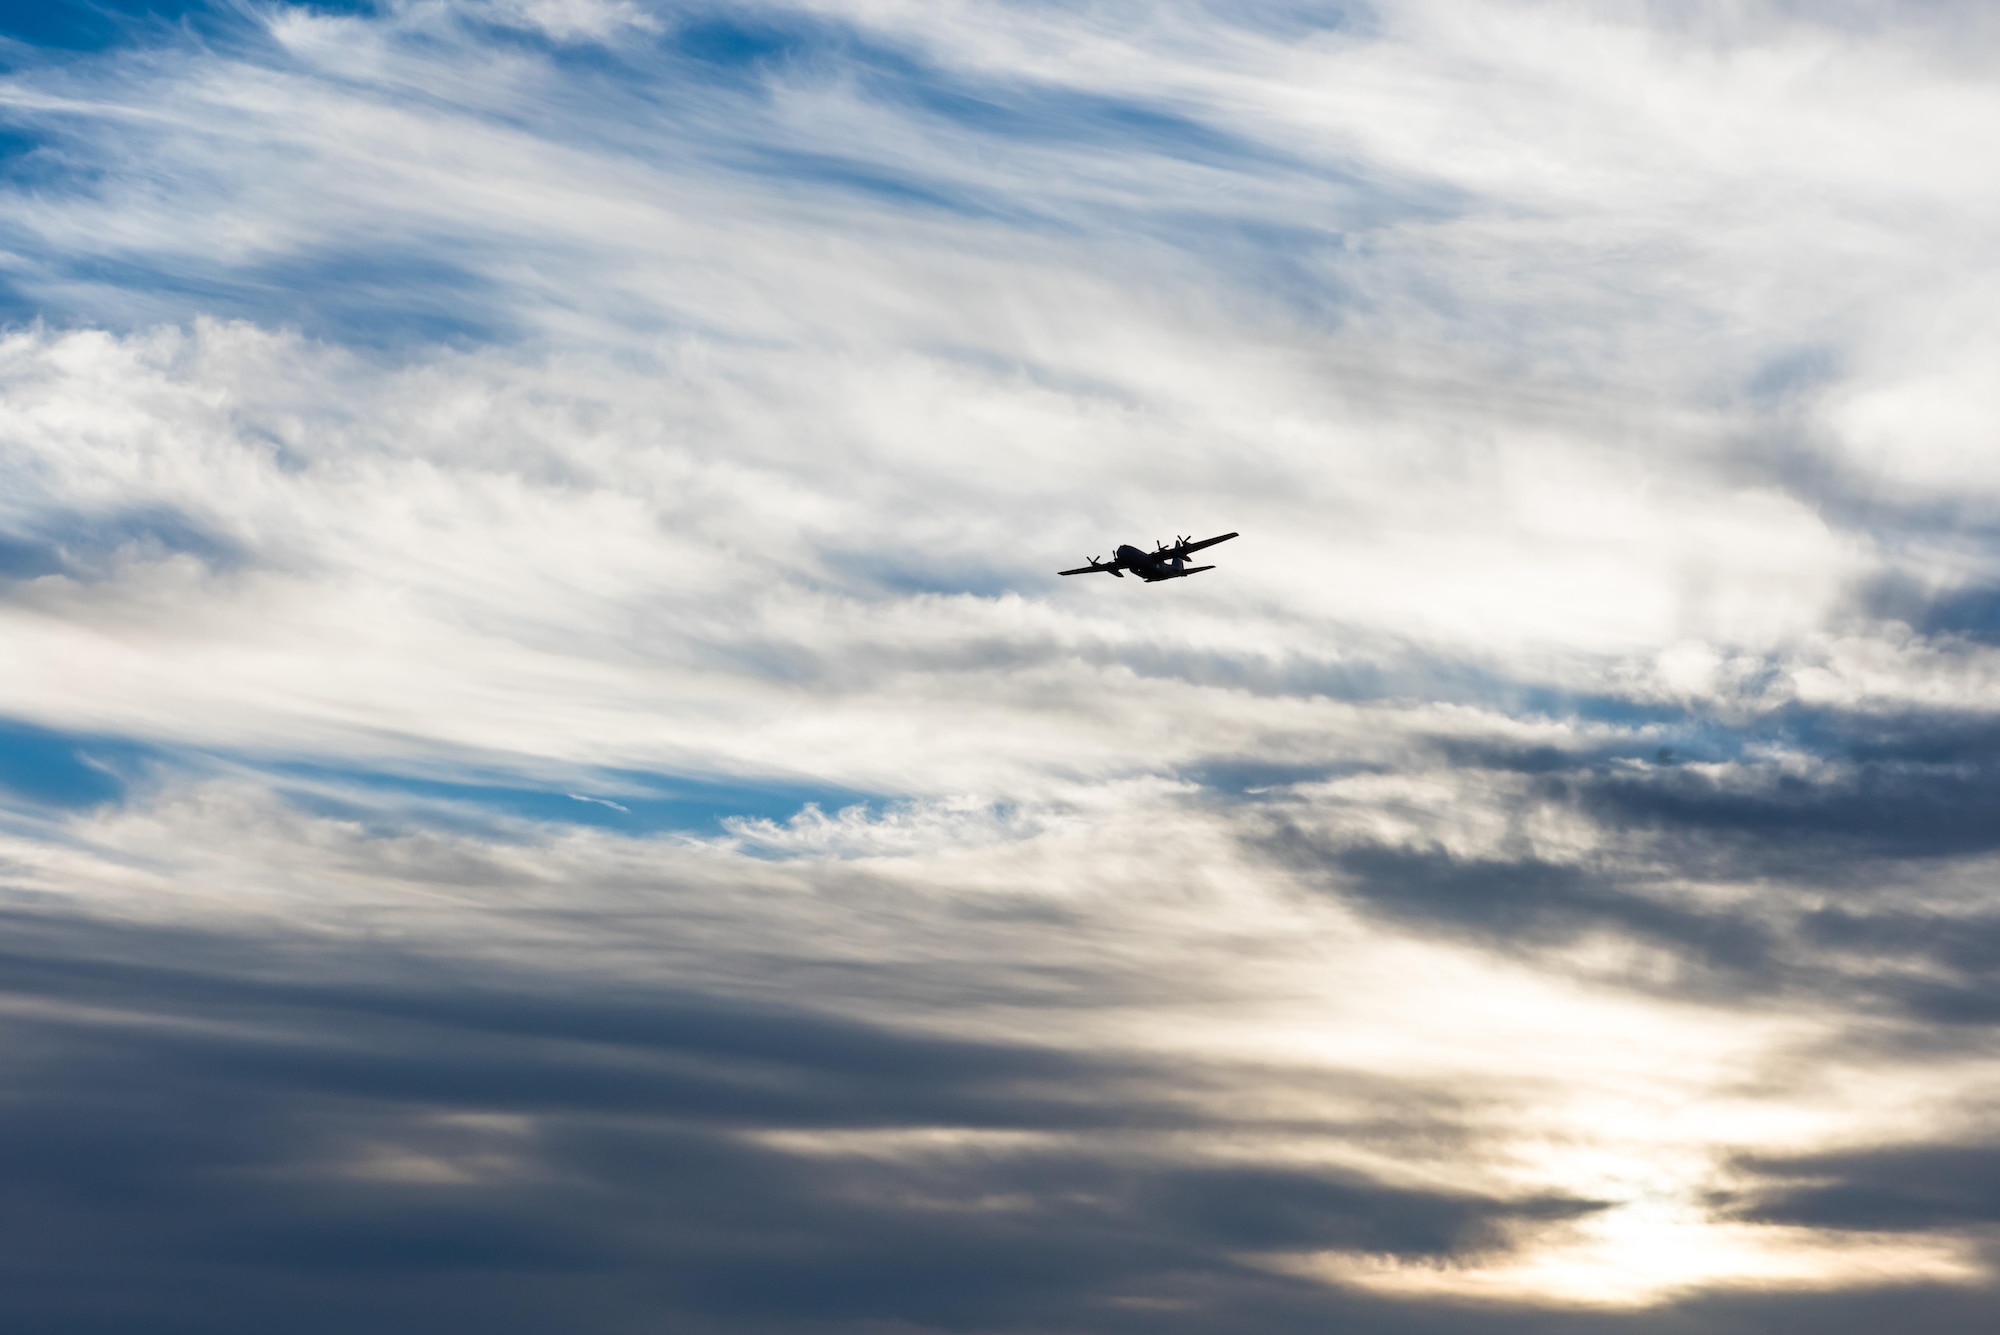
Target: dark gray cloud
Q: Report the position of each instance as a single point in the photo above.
(1530, 901)
(1942, 967)
(1878, 810)
(1967, 611)
(1894, 1188)
(1847, 850)
(1892, 783)
(1930, 967)
(207, 1130)
(216, 1132)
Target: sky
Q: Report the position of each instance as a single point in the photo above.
(548, 780)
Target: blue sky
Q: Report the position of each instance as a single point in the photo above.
(547, 779)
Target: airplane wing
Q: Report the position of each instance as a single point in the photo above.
(1187, 547)
(1085, 570)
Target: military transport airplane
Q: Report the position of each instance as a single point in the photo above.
(1164, 563)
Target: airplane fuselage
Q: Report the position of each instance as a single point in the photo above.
(1156, 566)
(1149, 565)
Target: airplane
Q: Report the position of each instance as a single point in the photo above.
(1163, 563)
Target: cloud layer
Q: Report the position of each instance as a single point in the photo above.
(546, 777)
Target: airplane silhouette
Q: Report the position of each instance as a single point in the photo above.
(1163, 563)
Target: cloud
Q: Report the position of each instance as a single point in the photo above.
(1533, 901)
(548, 779)
(1888, 1188)
(423, 1146)
(599, 801)
(1095, 1034)
(83, 547)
